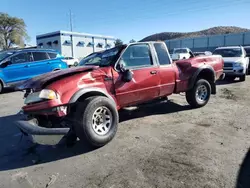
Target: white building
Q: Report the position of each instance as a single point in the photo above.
(73, 44)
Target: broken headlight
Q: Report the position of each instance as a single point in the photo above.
(40, 96)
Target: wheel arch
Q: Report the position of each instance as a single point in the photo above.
(2, 82)
(205, 72)
(56, 69)
(82, 94)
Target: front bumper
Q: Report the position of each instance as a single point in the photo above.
(235, 71)
(28, 127)
(49, 107)
(40, 135)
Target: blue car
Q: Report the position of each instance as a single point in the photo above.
(19, 65)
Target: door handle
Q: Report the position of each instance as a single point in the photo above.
(48, 63)
(27, 66)
(153, 72)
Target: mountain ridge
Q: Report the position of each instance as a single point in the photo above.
(206, 32)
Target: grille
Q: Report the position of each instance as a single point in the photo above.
(228, 64)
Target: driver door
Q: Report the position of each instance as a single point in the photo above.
(145, 83)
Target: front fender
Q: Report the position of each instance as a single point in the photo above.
(58, 66)
(93, 90)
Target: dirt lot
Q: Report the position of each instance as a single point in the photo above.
(158, 145)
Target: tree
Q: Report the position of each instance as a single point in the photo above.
(132, 41)
(12, 31)
(118, 42)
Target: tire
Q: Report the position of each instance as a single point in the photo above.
(76, 64)
(84, 121)
(243, 78)
(1, 87)
(194, 100)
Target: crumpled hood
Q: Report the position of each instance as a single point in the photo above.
(232, 59)
(39, 81)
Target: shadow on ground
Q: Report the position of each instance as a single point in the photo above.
(8, 90)
(226, 82)
(153, 108)
(243, 180)
(18, 150)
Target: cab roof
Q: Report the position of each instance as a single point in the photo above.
(30, 50)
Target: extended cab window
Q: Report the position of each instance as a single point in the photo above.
(21, 58)
(137, 56)
(39, 56)
(162, 54)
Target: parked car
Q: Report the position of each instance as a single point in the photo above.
(88, 97)
(71, 61)
(182, 53)
(236, 63)
(247, 49)
(19, 65)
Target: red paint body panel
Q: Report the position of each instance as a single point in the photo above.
(167, 79)
(148, 83)
(143, 87)
(188, 67)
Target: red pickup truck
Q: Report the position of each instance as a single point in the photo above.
(88, 97)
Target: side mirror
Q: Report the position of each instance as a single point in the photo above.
(127, 75)
(5, 64)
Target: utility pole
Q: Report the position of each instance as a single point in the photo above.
(70, 20)
(71, 29)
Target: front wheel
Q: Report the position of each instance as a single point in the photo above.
(199, 95)
(1, 87)
(76, 64)
(96, 120)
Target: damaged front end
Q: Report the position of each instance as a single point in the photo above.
(44, 112)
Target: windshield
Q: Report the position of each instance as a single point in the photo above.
(5, 54)
(230, 52)
(180, 51)
(104, 58)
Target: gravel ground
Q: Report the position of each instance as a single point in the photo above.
(165, 144)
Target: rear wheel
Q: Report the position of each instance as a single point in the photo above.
(96, 120)
(199, 95)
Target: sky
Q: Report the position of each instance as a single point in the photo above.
(130, 19)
